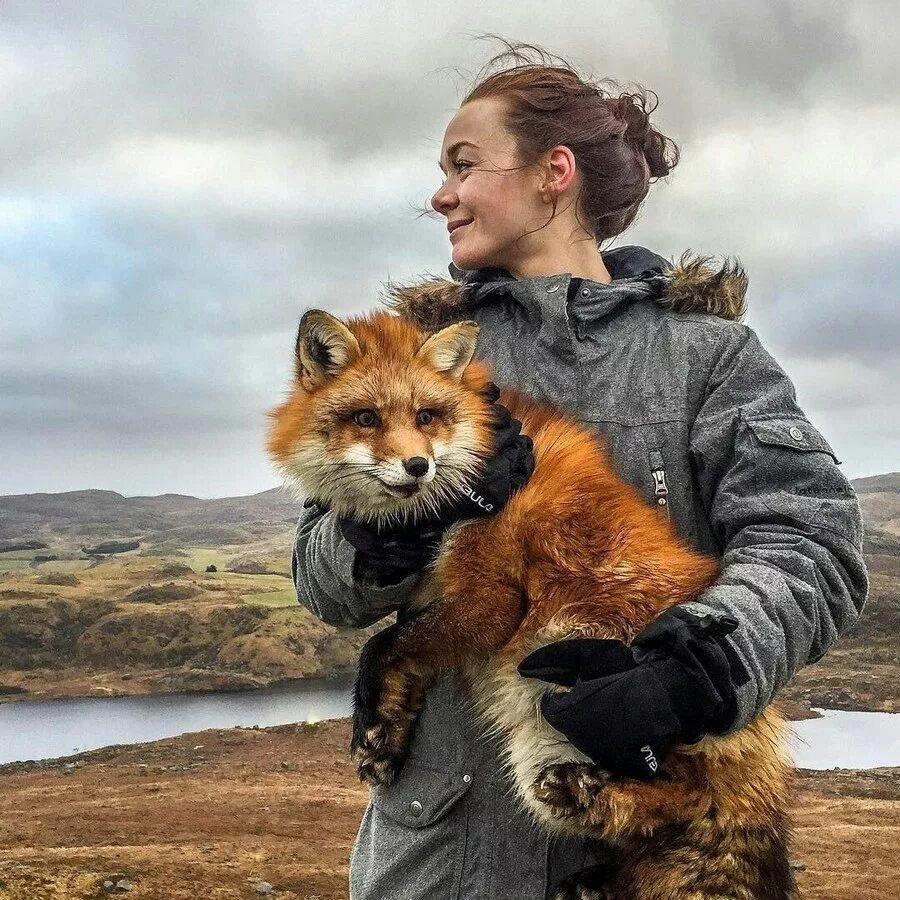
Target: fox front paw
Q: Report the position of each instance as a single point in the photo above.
(375, 762)
(375, 751)
(569, 789)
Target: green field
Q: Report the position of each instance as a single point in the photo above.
(20, 560)
(64, 566)
(284, 597)
(198, 558)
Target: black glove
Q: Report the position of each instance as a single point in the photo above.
(628, 706)
(388, 554)
(503, 473)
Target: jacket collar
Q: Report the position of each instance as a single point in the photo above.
(689, 285)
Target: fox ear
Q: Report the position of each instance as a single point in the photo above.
(451, 349)
(324, 346)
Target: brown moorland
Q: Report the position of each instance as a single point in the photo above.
(214, 814)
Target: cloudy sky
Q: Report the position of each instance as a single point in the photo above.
(178, 181)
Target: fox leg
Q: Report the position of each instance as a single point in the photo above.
(597, 882)
(399, 663)
(617, 808)
(710, 860)
(391, 684)
(676, 844)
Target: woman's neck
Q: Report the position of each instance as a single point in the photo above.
(581, 260)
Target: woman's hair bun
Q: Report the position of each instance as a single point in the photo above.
(634, 110)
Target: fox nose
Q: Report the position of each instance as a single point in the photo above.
(416, 466)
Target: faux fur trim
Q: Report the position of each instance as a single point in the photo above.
(694, 284)
(429, 304)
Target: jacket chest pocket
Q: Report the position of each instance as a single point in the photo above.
(412, 839)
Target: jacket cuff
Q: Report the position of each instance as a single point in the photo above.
(367, 598)
(746, 688)
(322, 567)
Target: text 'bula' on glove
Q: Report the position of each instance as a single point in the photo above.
(504, 472)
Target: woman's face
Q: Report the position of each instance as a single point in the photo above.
(495, 207)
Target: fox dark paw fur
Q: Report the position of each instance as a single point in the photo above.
(375, 762)
(375, 748)
(589, 884)
(569, 789)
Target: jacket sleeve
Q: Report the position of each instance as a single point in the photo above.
(322, 570)
(786, 518)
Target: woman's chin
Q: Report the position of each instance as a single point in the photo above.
(467, 261)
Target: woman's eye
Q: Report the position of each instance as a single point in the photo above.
(366, 418)
(461, 163)
(424, 417)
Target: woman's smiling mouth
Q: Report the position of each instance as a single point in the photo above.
(453, 227)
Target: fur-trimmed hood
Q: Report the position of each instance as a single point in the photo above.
(691, 284)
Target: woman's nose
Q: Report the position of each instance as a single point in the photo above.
(443, 200)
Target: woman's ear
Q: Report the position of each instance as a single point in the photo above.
(451, 349)
(560, 171)
(325, 345)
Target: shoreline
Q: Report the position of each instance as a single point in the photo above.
(800, 699)
(95, 685)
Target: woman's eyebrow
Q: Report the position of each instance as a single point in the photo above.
(453, 148)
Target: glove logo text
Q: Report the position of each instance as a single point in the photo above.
(649, 758)
(478, 500)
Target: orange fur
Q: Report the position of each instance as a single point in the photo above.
(576, 552)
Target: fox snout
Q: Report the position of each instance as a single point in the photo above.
(406, 473)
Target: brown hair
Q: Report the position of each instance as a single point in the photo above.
(617, 150)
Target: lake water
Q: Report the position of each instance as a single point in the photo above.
(45, 729)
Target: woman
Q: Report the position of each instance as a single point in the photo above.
(543, 167)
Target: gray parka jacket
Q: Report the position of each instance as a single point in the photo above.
(704, 423)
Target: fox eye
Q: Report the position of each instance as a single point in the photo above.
(425, 416)
(366, 418)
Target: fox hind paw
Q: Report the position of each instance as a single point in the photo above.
(569, 789)
(589, 884)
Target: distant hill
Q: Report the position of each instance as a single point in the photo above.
(206, 601)
(74, 518)
(879, 497)
(873, 484)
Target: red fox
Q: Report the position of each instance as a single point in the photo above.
(575, 553)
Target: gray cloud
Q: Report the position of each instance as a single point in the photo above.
(178, 183)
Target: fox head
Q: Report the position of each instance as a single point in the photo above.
(383, 421)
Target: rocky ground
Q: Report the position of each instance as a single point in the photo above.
(241, 813)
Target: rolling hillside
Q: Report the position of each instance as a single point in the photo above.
(205, 600)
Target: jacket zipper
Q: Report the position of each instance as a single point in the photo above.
(660, 487)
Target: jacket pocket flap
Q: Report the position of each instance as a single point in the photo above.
(420, 796)
(794, 432)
